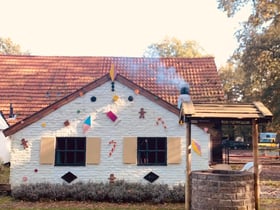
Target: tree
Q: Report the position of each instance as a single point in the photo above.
(173, 47)
(7, 47)
(232, 79)
(258, 54)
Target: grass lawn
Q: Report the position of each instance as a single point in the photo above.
(8, 203)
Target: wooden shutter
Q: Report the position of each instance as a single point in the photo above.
(93, 150)
(47, 150)
(174, 150)
(130, 150)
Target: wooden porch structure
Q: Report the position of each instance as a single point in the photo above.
(210, 117)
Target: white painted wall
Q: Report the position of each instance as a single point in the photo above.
(25, 161)
(5, 142)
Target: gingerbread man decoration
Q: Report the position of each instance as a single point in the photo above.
(111, 178)
(24, 143)
(142, 113)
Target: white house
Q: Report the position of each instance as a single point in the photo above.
(5, 142)
(102, 119)
(102, 130)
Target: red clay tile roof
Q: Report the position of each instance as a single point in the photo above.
(31, 83)
(80, 92)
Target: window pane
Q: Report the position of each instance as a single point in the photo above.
(142, 159)
(70, 151)
(71, 144)
(161, 157)
(70, 157)
(161, 144)
(80, 157)
(60, 144)
(142, 144)
(152, 157)
(151, 150)
(60, 157)
(152, 144)
(80, 144)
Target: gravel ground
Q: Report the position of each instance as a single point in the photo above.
(268, 175)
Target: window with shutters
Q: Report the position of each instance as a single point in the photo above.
(151, 151)
(70, 151)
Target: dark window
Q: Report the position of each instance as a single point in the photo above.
(70, 151)
(151, 151)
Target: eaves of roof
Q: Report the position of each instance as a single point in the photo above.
(80, 92)
(3, 123)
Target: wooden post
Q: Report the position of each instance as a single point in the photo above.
(256, 164)
(188, 165)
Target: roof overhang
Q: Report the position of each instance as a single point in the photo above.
(80, 92)
(241, 112)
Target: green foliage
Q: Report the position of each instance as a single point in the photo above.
(258, 54)
(172, 48)
(4, 174)
(232, 80)
(118, 192)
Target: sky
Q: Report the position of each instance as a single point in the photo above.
(116, 27)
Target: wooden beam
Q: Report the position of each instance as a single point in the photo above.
(256, 164)
(188, 165)
(265, 111)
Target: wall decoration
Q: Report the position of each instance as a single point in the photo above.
(151, 177)
(142, 113)
(112, 116)
(112, 178)
(130, 98)
(87, 124)
(93, 99)
(113, 86)
(81, 93)
(78, 111)
(24, 143)
(115, 98)
(43, 124)
(136, 91)
(160, 121)
(114, 144)
(112, 75)
(35, 170)
(196, 147)
(66, 123)
(24, 179)
(69, 177)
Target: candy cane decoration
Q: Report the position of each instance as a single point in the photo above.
(159, 120)
(114, 143)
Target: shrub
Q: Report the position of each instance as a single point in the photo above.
(177, 194)
(118, 192)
